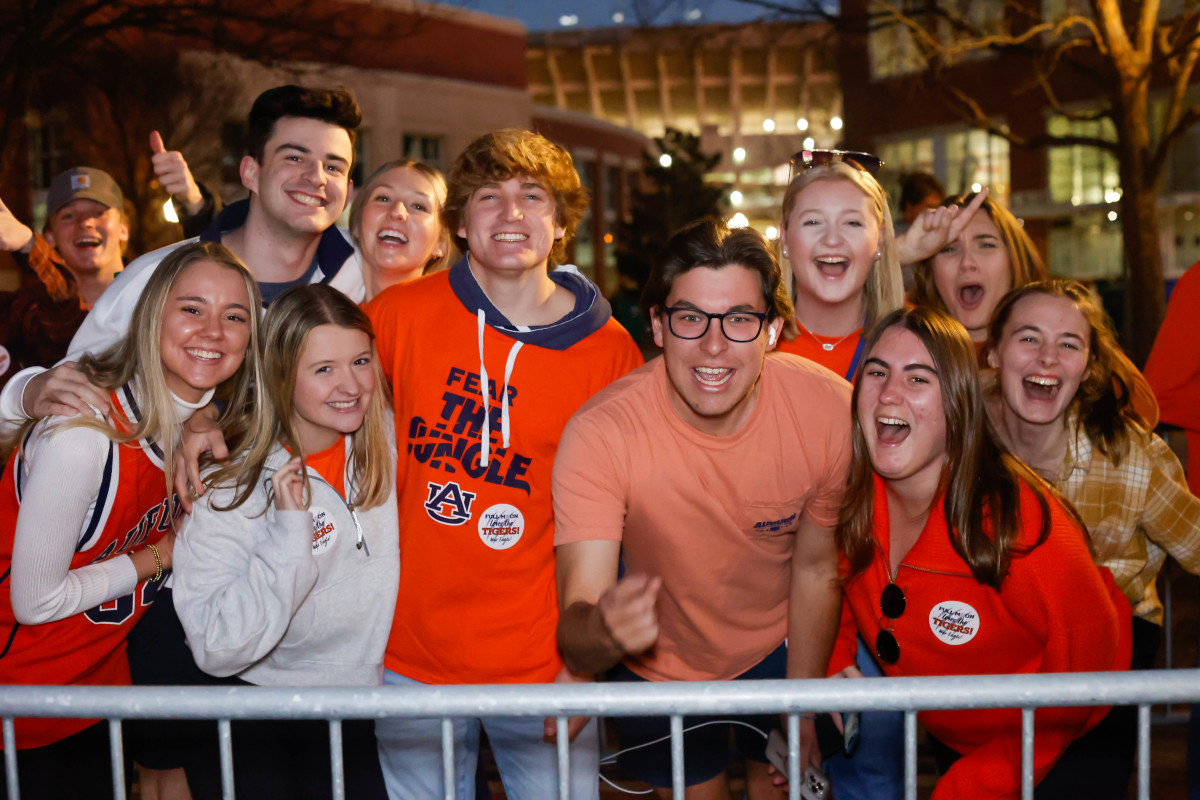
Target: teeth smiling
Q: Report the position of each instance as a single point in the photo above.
(713, 376)
(88, 242)
(207, 355)
(891, 421)
(306, 199)
(510, 237)
(1040, 381)
(393, 236)
(831, 259)
(344, 403)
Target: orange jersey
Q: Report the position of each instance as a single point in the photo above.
(843, 358)
(86, 649)
(477, 601)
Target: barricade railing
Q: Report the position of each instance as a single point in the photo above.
(562, 701)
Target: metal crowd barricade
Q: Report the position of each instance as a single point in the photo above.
(562, 701)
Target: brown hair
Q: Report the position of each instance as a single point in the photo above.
(1023, 259)
(495, 157)
(1104, 399)
(445, 243)
(981, 481)
(709, 243)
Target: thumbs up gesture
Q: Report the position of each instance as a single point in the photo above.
(174, 175)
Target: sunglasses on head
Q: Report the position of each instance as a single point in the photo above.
(892, 604)
(822, 158)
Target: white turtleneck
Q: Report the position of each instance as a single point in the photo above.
(61, 476)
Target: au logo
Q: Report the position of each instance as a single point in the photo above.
(449, 504)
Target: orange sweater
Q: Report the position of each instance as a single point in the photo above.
(1055, 612)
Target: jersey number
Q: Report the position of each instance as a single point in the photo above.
(117, 611)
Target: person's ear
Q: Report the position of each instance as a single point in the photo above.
(249, 170)
(656, 325)
(993, 359)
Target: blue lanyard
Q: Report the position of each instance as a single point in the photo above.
(854, 361)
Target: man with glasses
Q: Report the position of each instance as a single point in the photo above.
(716, 473)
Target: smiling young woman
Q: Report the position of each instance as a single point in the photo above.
(1062, 402)
(87, 519)
(396, 222)
(968, 276)
(287, 572)
(958, 560)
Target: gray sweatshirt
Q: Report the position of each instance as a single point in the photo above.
(287, 598)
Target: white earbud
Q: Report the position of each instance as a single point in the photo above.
(771, 336)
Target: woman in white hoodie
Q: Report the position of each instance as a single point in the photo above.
(287, 573)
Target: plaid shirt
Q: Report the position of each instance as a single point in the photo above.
(1136, 512)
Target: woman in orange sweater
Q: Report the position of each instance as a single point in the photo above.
(960, 561)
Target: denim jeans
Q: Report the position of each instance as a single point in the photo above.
(876, 769)
(410, 752)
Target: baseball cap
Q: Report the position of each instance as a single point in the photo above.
(87, 183)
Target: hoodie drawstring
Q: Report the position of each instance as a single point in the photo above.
(485, 444)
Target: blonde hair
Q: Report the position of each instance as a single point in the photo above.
(137, 358)
(286, 326)
(884, 290)
(445, 242)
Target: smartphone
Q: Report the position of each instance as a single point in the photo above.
(814, 785)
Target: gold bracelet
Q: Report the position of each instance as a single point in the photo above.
(158, 570)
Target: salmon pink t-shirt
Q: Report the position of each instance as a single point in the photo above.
(714, 516)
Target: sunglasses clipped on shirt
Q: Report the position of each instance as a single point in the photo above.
(892, 604)
(821, 158)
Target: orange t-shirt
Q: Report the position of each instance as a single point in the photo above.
(478, 601)
(713, 516)
(842, 359)
(330, 464)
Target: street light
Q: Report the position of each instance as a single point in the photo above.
(739, 220)
(802, 124)
(810, 143)
(768, 125)
(665, 160)
(735, 197)
(835, 123)
(739, 154)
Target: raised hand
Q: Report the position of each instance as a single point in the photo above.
(14, 234)
(935, 228)
(173, 173)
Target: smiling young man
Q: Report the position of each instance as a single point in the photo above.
(300, 146)
(487, 361)
(716, 472)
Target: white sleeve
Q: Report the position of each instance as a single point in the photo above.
(53, 509)
(349, 279)
(108, 321)
(106, 324)
(12, 413)
(238, 581)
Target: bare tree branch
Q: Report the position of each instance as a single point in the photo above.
(1171, 135)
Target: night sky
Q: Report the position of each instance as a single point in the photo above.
(539, 15)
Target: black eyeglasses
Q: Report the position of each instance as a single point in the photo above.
(892, 604)
(821, 158)
(692, 323)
